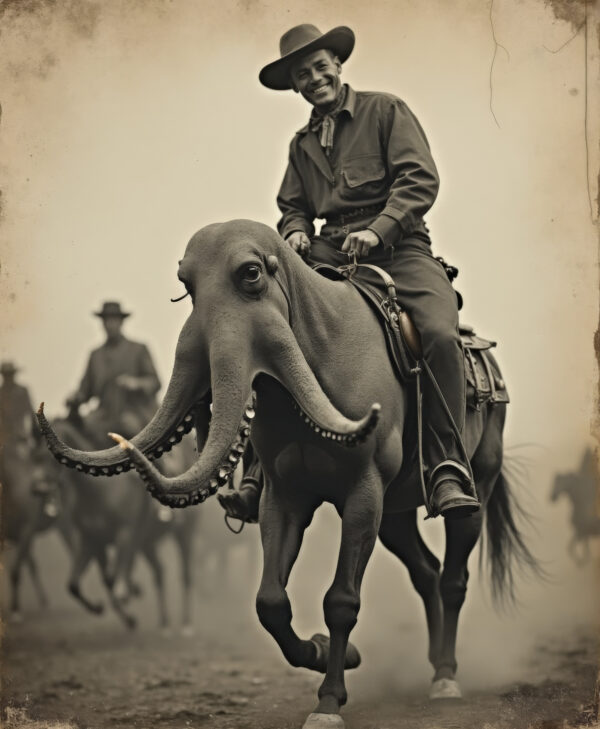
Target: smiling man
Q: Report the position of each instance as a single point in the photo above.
(363, 164)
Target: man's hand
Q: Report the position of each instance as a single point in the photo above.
(360, 242)
(300, 242)
(129, 382)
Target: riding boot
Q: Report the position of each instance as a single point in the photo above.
(242, 503)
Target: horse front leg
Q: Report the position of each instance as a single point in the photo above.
(361, 518)
(283, 521)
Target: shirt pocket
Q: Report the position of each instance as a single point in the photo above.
(363, 178)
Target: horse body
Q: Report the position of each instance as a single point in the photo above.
(315, 356)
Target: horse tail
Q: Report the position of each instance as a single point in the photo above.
(503, 542)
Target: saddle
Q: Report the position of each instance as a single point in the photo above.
(484, 379)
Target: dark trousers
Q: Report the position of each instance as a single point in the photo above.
(426, 294)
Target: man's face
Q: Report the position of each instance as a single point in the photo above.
(112, 326)
(317, 77)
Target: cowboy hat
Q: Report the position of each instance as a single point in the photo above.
(297, 42)
(8, 368)
(111, 308)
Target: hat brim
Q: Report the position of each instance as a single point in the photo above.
(103, 314)
(276, 75)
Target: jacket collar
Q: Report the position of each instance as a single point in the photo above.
(311, 145)
(349, 107)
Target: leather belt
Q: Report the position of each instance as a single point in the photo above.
(354, 215)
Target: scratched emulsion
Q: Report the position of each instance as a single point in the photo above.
(573, 11)
(126, 126)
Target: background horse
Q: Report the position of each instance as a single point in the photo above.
(331, 422)
(113, 523)
(26, 513)
(581, 488)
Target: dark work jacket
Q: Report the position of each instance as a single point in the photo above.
(380, 158)
(16, 413)
(106, 363)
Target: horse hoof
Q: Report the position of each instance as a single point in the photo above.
(445, 688)
(321, 643)
(130, 622)
(324, 721)
(97, 608)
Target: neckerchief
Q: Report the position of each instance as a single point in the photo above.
(323, 124)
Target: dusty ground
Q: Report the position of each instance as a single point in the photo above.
(65, 669)
(68, 668)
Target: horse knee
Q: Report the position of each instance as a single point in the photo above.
(426, 580)
(341, 608)
(453, 589)
(273, 608)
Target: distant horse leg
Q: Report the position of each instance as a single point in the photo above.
(400, 534)
(184, 541)
(281, 536)
(579, 557)
(361, 518)
(82, 554)
(151, 555)
(37, 583)
(108, 578)
(22, 552)
(22, 556)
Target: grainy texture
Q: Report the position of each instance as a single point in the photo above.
(67, 668)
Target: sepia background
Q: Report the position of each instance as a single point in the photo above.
(128, 126)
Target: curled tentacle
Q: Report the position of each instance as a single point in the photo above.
(178, 493)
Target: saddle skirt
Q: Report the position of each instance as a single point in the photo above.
(484, 378)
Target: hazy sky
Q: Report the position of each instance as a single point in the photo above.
(128, 126)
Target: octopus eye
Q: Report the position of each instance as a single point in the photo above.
(252, 273)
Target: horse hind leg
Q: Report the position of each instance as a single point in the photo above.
(461, 537)
(399, 533)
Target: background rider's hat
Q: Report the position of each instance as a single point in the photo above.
(297, 42)
(8, 368)
(111, 308)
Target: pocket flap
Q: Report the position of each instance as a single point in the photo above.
(360, 171)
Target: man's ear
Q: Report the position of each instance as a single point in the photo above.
(338, 64)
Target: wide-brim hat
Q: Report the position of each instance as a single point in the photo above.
(111, 308)
(297, 42)
(8, 368)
